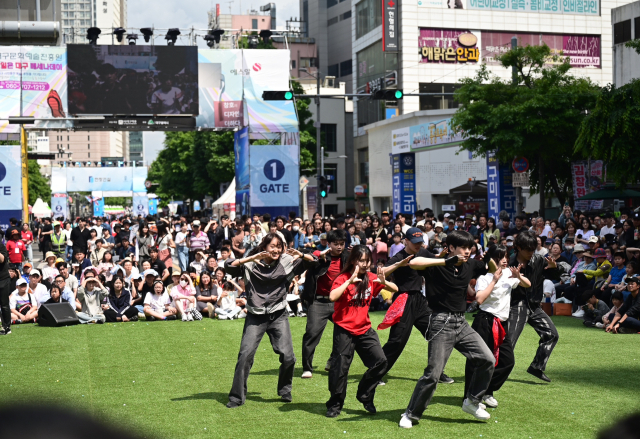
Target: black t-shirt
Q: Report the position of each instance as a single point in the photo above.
(447, 286)
(47, 228)
(158, 265)
(406, 278)
(373, 234)
(287, 235)
(516, 231)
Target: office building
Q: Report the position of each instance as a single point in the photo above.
(625, 21)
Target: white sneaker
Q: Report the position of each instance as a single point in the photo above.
(475, 410)
(578, 314)
(189, 317)
(405, 421)
(222, 317)
(307, 374)
(184, 317)
(599, 325)
(141, 315)
(490, 401)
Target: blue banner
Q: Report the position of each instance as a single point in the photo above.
(500, 192)
(59, 207)
(10, 184)
(98, 207)
(404, 183)
(241, 153)
(274, 177)
(153, 206)
(140, 204)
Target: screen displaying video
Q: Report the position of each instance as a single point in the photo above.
(132, 80)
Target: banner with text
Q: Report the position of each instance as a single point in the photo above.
(98, 179)
(274, 178)
(11, 184)
(500, 192)
(576, 7)
(98, 206)
(220, 88)
(404, 183)
(424, 136)
(140, 204)
(587, 177)
(59, 206)
(241, 153)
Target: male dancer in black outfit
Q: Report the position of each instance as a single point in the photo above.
(416, 310)
(525, 302)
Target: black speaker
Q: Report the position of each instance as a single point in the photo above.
(57, 314)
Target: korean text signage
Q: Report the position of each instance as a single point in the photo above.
(424, 136)
(390, 25)
(274, 176)
(579, 7)
(586, 179)
(400, 141)
(449, 46)
(241, 153)
(10, 184)
(404, 183)
(500, 192)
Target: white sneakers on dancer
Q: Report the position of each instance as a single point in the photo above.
(490, 401)
(475, 409)
(307, 374)
(406, 422)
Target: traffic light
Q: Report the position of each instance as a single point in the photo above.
(387, 95)
(322, 186)
(286, 95)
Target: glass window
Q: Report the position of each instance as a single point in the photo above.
(622, 32)
(346, 15)
(442, 102)
(370, 111)
(637, 24)
(331, 3)
(363, 165)
(330, 135)
(254, 23)
(330, 209)
(368, 16)
(346, 67)
(305, 17)
(293, 63)
(371, 63)
(334, 70)
(331, 172)
(332, 21)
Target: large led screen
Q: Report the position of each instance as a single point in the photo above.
(132, 79)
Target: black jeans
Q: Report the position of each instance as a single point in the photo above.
(318, 314)
(370, 352)
(449, 331)
(524, 312)
(112, 316)
(416, 313)
(483, 325)
(276, 326)
(5, 292)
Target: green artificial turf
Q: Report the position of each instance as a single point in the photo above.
(171, 379)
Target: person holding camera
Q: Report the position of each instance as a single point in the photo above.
(594, 309)
(627, 319)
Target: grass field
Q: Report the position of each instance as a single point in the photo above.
(171, 379)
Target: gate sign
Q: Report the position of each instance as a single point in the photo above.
(274, 175)
(404, 183)
(520, 164)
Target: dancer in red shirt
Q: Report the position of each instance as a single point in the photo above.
(352, 293)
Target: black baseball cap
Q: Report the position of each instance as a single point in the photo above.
(633, 279)
(414, 235)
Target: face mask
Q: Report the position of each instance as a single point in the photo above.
(295, 228)
(183, 283)
(509, 244)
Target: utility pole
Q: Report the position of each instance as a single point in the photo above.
(514, 81)
(320, 160)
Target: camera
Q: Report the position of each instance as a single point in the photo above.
(585, 307)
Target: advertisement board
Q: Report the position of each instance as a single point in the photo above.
(131, 79)
(10, 184)
(432, 134)
(153, 206)
(274, 178)
(42, 72)
(390, 21)
(98, 206)
(400, 141)
(450, 46)
(67, 179)
(59, 206)
(587, 177)
(140, 204)
(500, 192)
(404, 183)
(576, 7)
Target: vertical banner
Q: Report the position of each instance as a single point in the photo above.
(140, 204)
(500, 192)
(586, 179)
(98, 206)
(274, 179)
(10, 184)
(153, 206)
(404, 183)
(241, 153)
(59, 207)
(25, 174)
(312, 200)
(390, 25)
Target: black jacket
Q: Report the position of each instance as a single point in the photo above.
(631, 307)
(319, 268)
(4, 267)
(534, 271)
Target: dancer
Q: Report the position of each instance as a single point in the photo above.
(266, 289)
(446, 288)
(410, 308)
(525, 302)
(352, 293)
(493, 293)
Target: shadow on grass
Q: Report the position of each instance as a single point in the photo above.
(223, 398)
(535, 383)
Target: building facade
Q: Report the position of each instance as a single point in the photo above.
(625, 21)
(80, 15)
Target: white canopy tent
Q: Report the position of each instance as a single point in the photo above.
(40, 209)
(226, 204)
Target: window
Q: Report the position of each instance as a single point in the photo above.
(622, 32)
(88, 155)
(368, 16)
(371, 63)
(346, 67)
(636, 22)
(68, 147)
(438, 102)
(346, 15)
(67, 138)
(370, 111)
(88, 137)
(332, 21)
(293, 63)
(305, 17)
(334, 70)
(331, 172)
(331, 3)
(305, 63)
(89, 146)
(330, 134)
(363, 165)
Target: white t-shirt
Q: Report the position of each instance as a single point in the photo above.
(41, 293)
(157, 301)
(16, 300)
(405, 228)
(181, 239)
(581, 234)
(229, 302)
(170, 100)
(499, 301)
(607, 230)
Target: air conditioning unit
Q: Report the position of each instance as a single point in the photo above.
(329, 82)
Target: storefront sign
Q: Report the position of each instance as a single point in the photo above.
(400, 141)
(404, 183)
(449, 46)
(578, 7)
(390, 25)
(430, 134)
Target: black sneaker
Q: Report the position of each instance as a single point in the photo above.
(286, 397)
(150, 318)
(5, 331)
(332, 413)
(133, 319)
(444, 379)
(538, 374)
(233, 404)
(171, 318)
(368, 406)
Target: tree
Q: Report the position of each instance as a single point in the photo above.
(537, 117)
(39, 187)
(308, 147)
(610, 132)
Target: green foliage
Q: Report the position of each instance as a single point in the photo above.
(634, 44)
(39, 187)
(308, 148)
(538, 118)
(610, 132)
(193, 164)
(243, 42)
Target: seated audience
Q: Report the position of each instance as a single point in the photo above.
(157, 305)
(119, 308)
(91, 295)
(24, 305)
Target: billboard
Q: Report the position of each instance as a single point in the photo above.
(128, 179)
(444, 4)
(59, 206)
(575, 7)
(424, 136)
(132, 79)
(140, 205)
(42, 72)
(404, 183)
(10, 184)
(587, 177)
(450, 46)
(274, 178)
